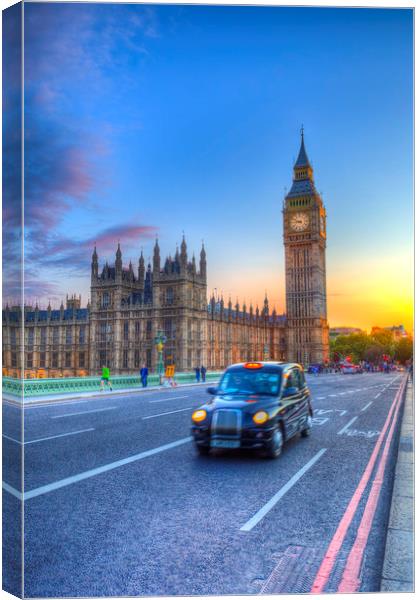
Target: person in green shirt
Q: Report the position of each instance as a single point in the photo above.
(105, 378)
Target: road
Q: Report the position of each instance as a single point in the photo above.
(117, 501)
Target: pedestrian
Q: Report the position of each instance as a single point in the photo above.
(197, 374)
(203, 373)
(105, 378)
(144, 372)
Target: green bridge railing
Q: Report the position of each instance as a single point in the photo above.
(65, 385)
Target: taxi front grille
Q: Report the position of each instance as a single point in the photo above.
(226, 422)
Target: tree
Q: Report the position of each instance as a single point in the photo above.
(385, 338)
(404, 349)
(374, 353)
(353, 345)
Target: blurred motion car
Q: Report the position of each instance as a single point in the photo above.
(256, 405)
(349, 369)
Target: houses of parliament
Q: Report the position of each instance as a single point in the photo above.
(130, 306)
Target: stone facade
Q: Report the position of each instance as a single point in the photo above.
(127, 310)
(304, 235)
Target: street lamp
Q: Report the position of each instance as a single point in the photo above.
(160, 341)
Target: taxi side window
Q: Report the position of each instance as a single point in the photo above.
(301, 379)
(293, 380)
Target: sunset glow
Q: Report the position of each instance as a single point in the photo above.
(189, 121)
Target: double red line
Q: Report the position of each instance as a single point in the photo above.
(350, 581)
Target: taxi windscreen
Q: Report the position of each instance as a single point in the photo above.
(260, 383)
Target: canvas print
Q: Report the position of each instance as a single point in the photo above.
(207, 300)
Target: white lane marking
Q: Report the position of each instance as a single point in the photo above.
(11, 439)
(273, 501)
(171, 412)
(85, 412)
(320, 398)
(319, 420)
(49, 404)
(346, 426)
(332, 396)
(12, 490)
(53, 437)
(166, 399)
(367, 406)
(45, 489)
(366, 434)
(377, 395)
(50, 437)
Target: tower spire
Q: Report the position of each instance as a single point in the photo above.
(302, 159)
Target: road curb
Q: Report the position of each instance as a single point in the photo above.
(398, 566)
(97, 394)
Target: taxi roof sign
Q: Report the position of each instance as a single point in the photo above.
(253, 365)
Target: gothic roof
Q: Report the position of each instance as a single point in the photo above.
(301, 187)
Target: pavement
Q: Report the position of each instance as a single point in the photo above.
(118, 502)
(398, 568)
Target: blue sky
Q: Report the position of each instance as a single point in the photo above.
(144, 120)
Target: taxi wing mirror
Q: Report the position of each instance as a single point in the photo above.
(212, 391)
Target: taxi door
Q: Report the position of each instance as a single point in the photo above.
(294, 401)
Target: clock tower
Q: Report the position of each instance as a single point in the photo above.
(304, 232)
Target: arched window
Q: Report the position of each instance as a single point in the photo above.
(170, 295)
(105, 300)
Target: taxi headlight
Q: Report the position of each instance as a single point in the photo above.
(260, 417)
(199, 415)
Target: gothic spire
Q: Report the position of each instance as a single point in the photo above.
(156, 258)
(203, 262)
(302, 159)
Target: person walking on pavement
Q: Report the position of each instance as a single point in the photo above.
(203, 373)
(105, 378)
(144, 372)
(197, 374)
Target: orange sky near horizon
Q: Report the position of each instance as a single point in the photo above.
(375, 292)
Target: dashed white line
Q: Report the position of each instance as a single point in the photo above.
(53, 437)
(45, 489)
(12, 490)
(85, 412)
(58, 403)
(367, 406)
(11, 439)
(273, 501)
(168, 398)
(347, 426)
(170, 412)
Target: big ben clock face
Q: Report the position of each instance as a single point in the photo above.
(299, 222)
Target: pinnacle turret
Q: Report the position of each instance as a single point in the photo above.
(156, 258)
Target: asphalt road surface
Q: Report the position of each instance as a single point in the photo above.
(118, 502)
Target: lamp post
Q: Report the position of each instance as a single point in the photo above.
(160, 341)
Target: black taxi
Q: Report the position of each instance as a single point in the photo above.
(255, 405)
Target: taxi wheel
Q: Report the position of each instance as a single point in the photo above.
(276, 444)
(308, 426)
(203, 450)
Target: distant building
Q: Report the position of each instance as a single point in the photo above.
(336, 331)
(398, 331)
